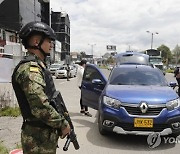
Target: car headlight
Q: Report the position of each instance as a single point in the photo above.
(171, 105)
(114, 103)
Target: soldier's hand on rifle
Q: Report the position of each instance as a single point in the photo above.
(65, 131)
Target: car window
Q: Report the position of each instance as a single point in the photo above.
(54, 66)
(90, 74)
(135, 76)
(62, 68)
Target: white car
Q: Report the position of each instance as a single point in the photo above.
(62, 72)
(54, 67)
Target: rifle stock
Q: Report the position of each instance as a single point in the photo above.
(58, 103)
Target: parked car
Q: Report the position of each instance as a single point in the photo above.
(54, 67)
(62, 72)
(136, 99)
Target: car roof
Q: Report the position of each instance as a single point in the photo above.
(131, 57)
(55, 64)
(145, 67)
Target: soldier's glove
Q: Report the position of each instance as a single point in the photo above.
(65, 132)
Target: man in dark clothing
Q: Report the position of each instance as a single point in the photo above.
(68, 71)
(177, 75)
(80, 72)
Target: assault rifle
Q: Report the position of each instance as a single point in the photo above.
(58, 103)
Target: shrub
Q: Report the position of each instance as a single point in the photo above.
(169, 71)
(3, 149)
(10, 111)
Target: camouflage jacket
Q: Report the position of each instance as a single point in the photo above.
(30, 77)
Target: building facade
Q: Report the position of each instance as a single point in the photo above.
(61, 25)
(24, 11)
(8, 37)
(16, 13)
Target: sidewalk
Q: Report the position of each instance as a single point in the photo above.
(10, 129)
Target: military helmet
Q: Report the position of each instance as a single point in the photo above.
(36, 27)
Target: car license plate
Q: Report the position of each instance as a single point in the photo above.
(141, 122)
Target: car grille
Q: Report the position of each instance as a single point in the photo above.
(130, 127)
(136, 110)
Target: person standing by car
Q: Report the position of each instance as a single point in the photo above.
(68, 72)
(177, 75)
(80, 72)
(34, 88)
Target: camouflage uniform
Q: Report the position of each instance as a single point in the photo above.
(38, 140)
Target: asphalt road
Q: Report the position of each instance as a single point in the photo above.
(87, 130)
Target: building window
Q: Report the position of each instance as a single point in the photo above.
(66, 29)
(1, 50)
(62, 28)
(62, 19)
(4, 35)
(12, 38)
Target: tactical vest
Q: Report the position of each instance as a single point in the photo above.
(22, 100)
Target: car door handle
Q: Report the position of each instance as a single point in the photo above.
(96, 89)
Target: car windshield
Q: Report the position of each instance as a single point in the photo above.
(54, 66)
(62, 68)
(155, 60)
(137, 76)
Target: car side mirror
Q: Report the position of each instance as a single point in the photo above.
(97, 81)
(173, 84)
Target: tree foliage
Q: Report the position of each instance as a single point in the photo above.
(176, 50)
(165, 53)
(83, 54)
(110, 60)
(176, 53)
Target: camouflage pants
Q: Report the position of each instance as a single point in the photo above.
(37, 140)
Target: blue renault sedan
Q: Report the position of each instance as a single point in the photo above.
(136, 99)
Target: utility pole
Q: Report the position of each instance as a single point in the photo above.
(50, 16)
(92, 50)
(152, 37)
(34, 10)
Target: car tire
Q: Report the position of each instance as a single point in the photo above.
(102, 131)
(174, 135)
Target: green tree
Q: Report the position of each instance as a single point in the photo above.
(165, 53)
(176, 53)
(110, 60)
(83, 54)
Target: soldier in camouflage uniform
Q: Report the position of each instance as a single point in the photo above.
(42, 124)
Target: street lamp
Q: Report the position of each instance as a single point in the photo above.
(152, 35)
(92, 50)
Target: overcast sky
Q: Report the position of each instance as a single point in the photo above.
(122, 23)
